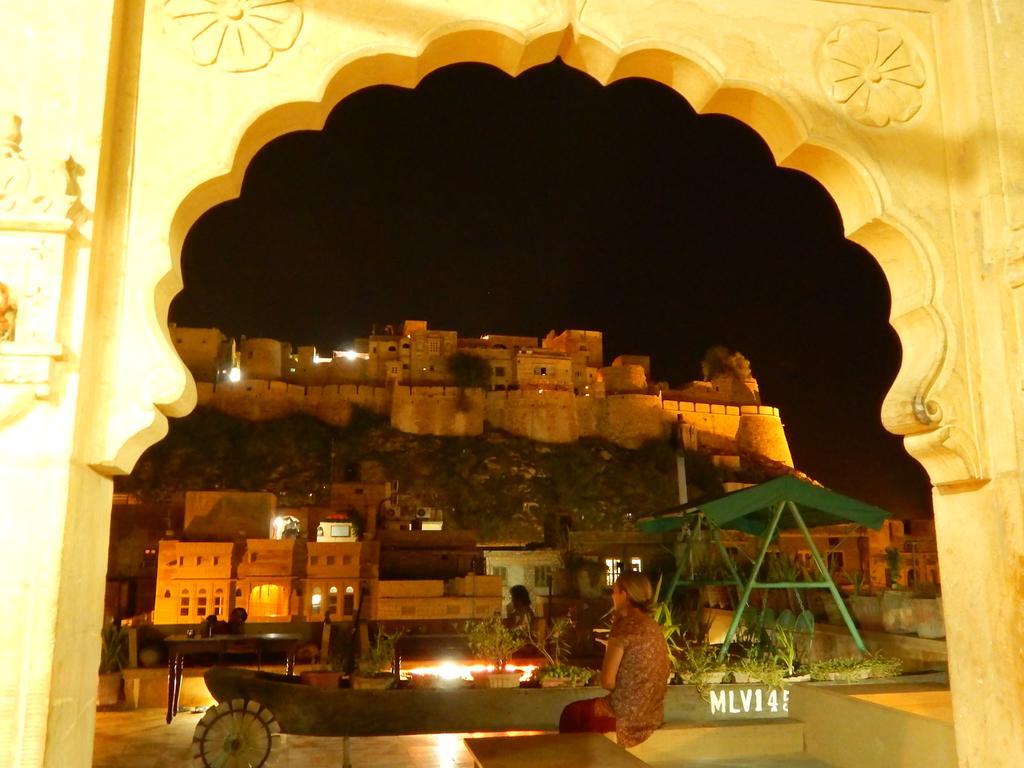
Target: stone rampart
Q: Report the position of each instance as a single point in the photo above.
(762, 433)
(631, 420)
(449, 411)
(548, 416)
(553, 416)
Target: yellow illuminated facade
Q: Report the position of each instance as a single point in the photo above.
(117, 132)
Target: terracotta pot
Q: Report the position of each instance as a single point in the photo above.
(108, 690)
(928, 618)
(897, 612)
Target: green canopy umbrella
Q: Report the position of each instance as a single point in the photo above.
(762, 510)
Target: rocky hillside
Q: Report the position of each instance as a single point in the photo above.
(507, 487)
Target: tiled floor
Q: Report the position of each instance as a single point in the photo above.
(141, 738)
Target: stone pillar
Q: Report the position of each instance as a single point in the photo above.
(981, 555)
(55, 510)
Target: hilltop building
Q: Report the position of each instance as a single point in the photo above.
(555, 389)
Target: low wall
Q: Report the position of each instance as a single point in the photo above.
(847, 732)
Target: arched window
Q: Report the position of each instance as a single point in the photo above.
(348, 605)
(201, 603)
(315, 601)
(238, 592)
(332, 601)
(167, 594)
(218, 603)
(184, 605)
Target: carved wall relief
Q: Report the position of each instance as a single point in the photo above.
(36, 200)
(236, 35)
(873, 73)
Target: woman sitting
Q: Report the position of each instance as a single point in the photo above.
(635, 670)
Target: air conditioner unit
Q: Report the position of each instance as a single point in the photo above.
(422, 513)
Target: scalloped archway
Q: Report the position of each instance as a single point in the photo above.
(858, 188)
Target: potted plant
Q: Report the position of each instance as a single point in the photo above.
(491, 641)
(113, 656)
(329, 675)
(850, 669)
(556, 673)
(375, 667)
(698, 664)
(897, 610)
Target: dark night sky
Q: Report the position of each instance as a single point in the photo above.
(483, 203)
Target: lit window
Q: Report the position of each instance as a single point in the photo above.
(636, 564)
(613, 569)
(501, 571)
(316, 599)
(541, 574)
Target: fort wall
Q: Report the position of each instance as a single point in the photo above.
(551, 415)
(446, 411)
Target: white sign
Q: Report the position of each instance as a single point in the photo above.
(742, 701)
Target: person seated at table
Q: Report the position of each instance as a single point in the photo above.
(213, 625)
(635, 670)
(236, 622)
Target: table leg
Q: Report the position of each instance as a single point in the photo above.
(177, 681)
(172, 664)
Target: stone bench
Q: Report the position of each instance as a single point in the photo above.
(548, 750)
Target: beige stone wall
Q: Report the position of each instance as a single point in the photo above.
(762, 434)
(202, 350)
(548, 416)
(624, 378)
(447, 411)
(261, 359)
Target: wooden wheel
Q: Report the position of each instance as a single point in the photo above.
(235, 734)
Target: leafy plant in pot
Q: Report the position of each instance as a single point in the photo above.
(113, 657)
(556, 673)
(491, 641)
(375, 667)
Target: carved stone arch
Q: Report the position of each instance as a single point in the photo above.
(916, 404)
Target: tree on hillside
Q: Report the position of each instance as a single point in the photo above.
(719, 361)
(468, 371)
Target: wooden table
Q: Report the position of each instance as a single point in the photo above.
(548, 750)
(180, 646)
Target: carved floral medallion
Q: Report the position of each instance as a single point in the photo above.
(236, 35)
(873, 73)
